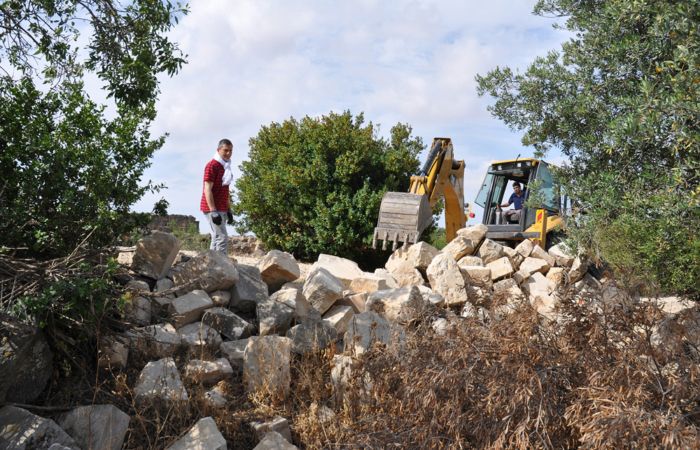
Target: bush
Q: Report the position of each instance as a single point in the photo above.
(315, 185)
(190, 238)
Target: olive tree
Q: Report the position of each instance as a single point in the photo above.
(620, 101)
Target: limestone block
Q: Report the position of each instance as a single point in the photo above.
(189, 307)
(367, 329)
(500, 268)
(274, 441)
(396, 305)
(25, 361)
(155, 254)
(322, 289)
(490, 251)
(367, 283)
(508, 287)
(338, 317)
(160, 380)
(474, 233)
(532, 265)
(476, 275)
(223, 298)
(388, 278)
(113, 353)
(409, 277)
(278, 268)
(164, 284)
(249, 290)
(96, 426)
(470, 260)
(446, 279)
(159, 341)
(204, 435)
(138, 310)
(233, 351)
(562, 255)
(209, 271)
(578, 269)
(215, 397)
(397, 260)
(460, 247)
(525, 248)
(295, 300)
(22, 430)
(273, 317)
(227, 323)
(208, 372)
(556, 275)
(345, 380)
(539, 291)
(125, 255)
(312, 337)
(135, 286)
(197, 335)
(293, 285)
(279, 424)
(537, 252)
(160, 305)
(420, 255)
(343, 269)
(357, 302)
(266, 365)
(509, 252)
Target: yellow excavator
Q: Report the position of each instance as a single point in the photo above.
(404, 216)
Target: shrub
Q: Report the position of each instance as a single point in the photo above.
(315, 185)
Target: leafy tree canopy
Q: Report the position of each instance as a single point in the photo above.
(66, 171)
(621, 102)
(315, 185)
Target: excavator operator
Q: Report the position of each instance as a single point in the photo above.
(516, 199)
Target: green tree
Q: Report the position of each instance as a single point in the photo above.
(315, 185)
(621, 102)
(66, 171)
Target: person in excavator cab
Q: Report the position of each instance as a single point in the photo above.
(516, 199)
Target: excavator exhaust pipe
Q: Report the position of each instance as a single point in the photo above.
(402, 219)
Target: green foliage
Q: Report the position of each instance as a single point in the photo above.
(78, 299)
(435, 236)
(190, 238)
(620, 101)
(67, 172)
(315, 185)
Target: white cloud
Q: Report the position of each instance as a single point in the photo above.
(255, 62)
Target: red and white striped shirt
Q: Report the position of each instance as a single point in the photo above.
(214, 172)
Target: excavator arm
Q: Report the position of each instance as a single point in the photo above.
(404, 216)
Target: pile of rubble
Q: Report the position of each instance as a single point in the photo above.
(251, 319)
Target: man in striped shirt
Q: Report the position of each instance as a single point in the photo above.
(214, 203)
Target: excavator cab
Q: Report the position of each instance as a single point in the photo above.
(497, 188)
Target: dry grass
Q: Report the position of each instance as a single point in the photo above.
(608, 374)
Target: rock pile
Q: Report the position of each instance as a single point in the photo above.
(250, 319)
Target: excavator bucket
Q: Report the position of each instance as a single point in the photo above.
(402, 219)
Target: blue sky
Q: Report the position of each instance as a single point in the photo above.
(256, 62)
